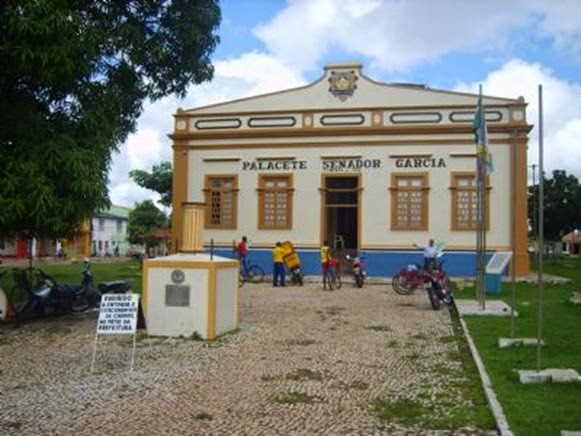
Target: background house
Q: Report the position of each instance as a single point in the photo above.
(109, 231)
(76, 247)
(572, 241)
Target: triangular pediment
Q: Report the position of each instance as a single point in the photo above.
(344, 86)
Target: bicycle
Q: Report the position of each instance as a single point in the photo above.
(332, 276)
(250, 273)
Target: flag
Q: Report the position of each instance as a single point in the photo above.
(481, 136)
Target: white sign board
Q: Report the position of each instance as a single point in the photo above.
(118, 314)
(498, 262)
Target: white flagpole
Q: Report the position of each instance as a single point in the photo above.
(541, 232)
(513, 237)
(481, 207)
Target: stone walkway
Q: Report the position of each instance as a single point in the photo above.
(305, 362)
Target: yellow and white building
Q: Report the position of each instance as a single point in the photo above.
(377, 166)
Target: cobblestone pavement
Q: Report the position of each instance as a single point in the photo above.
(305, 361)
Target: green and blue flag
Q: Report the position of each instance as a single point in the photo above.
(481, 136)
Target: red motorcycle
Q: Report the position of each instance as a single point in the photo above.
(408, 279)
(357, 270)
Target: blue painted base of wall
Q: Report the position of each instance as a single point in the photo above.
(377, 263)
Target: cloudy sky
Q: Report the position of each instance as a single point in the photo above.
(510, 47)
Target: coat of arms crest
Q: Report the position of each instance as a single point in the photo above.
(342, 84)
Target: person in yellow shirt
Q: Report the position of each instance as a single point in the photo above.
(279, 272)
(325, 257)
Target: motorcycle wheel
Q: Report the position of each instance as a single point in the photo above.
(359, 281)
(255, 274)
(434, 300)
(80, 303)
(300, 279)
(22, 310)
(400, 285)
(338, 283)
(448, 300)
(443, 292)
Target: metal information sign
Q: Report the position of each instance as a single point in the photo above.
(117, 315)
(498, 262)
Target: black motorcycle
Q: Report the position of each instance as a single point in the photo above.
(296, 276)
(46, 297)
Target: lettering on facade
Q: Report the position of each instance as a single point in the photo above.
(338, 165)
(280, 165)
(420, 162)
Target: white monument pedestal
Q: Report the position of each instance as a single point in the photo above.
(187, 294)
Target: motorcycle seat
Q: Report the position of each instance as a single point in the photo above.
(114, 286)
(42, 291)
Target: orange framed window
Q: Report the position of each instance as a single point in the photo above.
(409, 201)
(221, 197)
(275, 201)
(465, 201)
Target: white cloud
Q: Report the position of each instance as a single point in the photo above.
(398, 34)
(561, 111)
(562, 21)
(143, 149)
(250, 74)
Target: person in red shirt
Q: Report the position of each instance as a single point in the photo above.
(242, 250)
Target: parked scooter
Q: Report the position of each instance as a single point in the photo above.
(47, 297)
(357, 270)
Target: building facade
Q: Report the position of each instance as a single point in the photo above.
(369, 166)
(109, 232)
(19, 248)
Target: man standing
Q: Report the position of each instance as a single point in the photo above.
(325, 258)
(430, 253)
(242, 250)
(278, 272)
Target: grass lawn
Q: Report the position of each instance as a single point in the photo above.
(71, 273)
(541, 409)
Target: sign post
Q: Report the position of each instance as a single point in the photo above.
(117, 315)
(498, 262)
(494, 269)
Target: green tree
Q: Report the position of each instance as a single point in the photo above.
(73, 79)
(561, 205)
(159, 180)
(143, 221)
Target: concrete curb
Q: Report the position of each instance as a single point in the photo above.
(493, 403)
